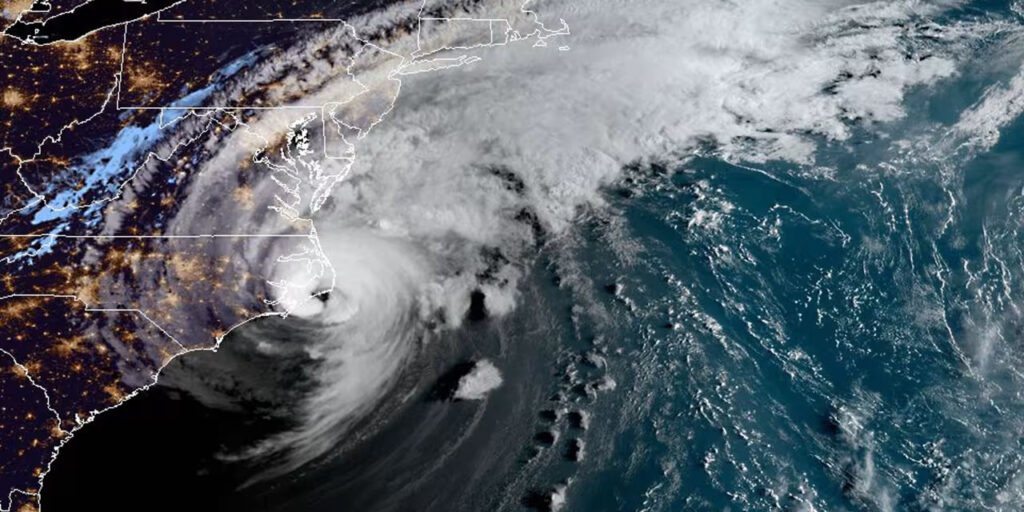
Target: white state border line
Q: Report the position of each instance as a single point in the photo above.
(46, 394)
(95, 413)
(312, 235)
(54, 139)
(32, 42)
(228, 107)
(68, 434)
(101, 237)
(35, 384)
(160, 19)
(76, 298)
(121, 188)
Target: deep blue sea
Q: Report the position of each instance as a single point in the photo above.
(720, 335)
(807, 343)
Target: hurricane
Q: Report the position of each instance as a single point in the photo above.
(699, 254)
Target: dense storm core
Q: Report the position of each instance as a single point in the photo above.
(694, 254)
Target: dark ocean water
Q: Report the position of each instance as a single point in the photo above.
(775, 341)
(843, 336)
(732, 337)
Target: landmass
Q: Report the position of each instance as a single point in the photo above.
(110, 111)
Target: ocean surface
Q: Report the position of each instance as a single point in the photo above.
(713, 334)
(736, 338)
